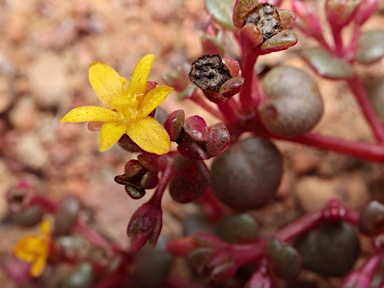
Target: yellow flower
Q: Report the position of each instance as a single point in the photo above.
(35, 249)
(127, 108)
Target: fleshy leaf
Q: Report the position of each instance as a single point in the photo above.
(138, 82)
(221, 11)
(153, 99)
(212, 45)
(242, 7)
(287, 18)
(281, 41)
(90, 113)
(371, 221)
(110, 133)
(286, 260)
(106, 82)
(149, 135)
(327, 65)
(371, 47)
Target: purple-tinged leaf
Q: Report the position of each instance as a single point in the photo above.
(328, 65)
(221, 11)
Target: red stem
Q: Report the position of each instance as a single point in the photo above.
(229, 110)
(248, 252)
(195, 97)
(164, 180)
(301, 225)
(91, 234)
(248, 89)
(362, 98)
(366, 151)
(338, 40)
(45, 203)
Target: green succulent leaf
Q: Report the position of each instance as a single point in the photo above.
(242, 7)
(286, 260)
(328, 65)
(221, 11)
(371, 47)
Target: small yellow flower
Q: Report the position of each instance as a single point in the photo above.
(127, 108)
(35, 249)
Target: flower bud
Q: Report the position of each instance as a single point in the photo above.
(366, 9)
(340, 12)
(145, 225)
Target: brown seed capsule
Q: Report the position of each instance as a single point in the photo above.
(208, 72)
(266, 17)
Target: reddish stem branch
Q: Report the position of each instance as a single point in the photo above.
(229, 110)
(301, 225)
(91, 235)
(195, 97)
(164, 180)
(362, 98)
(366, 151)
(247, 91)
(338, 40)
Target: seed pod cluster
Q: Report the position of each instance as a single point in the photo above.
(139, 175)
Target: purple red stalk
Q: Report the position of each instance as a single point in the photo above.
(334, 211)
(363, 277)
(195, 97)
(362, 98)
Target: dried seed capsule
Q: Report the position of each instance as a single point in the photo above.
(266, 17)
(208, 72)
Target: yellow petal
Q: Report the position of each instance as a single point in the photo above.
(38, 266)
(153, 99)
(138, 82)
(110, 133)
(28, 248)
(149, 135)
(106, 82)
(45, 227)
(90, 113)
